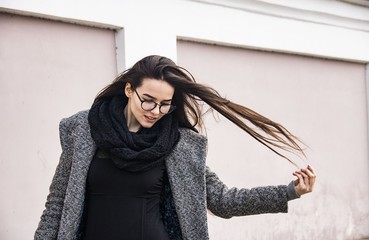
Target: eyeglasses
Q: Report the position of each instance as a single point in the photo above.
(149, 105)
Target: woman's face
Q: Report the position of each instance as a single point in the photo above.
(151, 89)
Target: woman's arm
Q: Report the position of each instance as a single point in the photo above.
(227, 203)
(49, 224)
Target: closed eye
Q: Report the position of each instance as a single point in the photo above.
(165, 102)
(153, 98)
(148, 100)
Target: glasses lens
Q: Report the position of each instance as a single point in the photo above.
(148, 105)
(166, 108)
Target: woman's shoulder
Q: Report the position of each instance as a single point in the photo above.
(190, 137)
(189, 133)
(75, 127)
(79, 119)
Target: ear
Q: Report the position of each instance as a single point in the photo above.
(128, 90)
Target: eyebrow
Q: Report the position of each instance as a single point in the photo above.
(148, 95)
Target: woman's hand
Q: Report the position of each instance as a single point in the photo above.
(305, 180)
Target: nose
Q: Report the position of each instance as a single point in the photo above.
(156, 110)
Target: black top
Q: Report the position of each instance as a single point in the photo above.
(122, 205)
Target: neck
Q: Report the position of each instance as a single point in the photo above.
(132, 124)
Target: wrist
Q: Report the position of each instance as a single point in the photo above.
(291, 191)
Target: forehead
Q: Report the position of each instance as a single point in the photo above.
(159, 89)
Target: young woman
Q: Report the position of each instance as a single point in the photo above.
(133, 166)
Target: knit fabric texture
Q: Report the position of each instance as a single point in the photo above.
(130, 150)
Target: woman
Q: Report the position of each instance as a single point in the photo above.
(133, 166)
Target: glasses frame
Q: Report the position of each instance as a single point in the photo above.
(171, 109)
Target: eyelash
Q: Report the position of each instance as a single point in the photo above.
(150, 100)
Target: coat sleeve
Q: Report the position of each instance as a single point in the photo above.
(49, 224)
(227, 203)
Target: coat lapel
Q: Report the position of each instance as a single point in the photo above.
(84, 150)
(186, 172)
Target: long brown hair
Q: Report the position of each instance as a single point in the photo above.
(188, 98)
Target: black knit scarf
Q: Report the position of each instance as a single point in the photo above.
(131, 151)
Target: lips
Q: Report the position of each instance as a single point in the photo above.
(150, 119)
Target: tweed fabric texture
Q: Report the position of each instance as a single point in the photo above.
(191, 188)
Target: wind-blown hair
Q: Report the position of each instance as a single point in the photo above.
(189, 96)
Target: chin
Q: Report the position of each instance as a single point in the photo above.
(146, 124)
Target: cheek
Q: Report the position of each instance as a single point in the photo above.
(136, 110)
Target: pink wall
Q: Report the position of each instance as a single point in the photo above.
(321, 101)
(48, 70)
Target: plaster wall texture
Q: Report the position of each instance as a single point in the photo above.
(323, 102)
(48, 70)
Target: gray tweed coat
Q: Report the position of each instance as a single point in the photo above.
(193, 188)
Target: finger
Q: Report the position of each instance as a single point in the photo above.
(300, 179)
(306, 178)
(311, 177)
(309, 182)
(311, 170)
(313, 180)
(300, 186)
(297, 181)
(308, 172)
